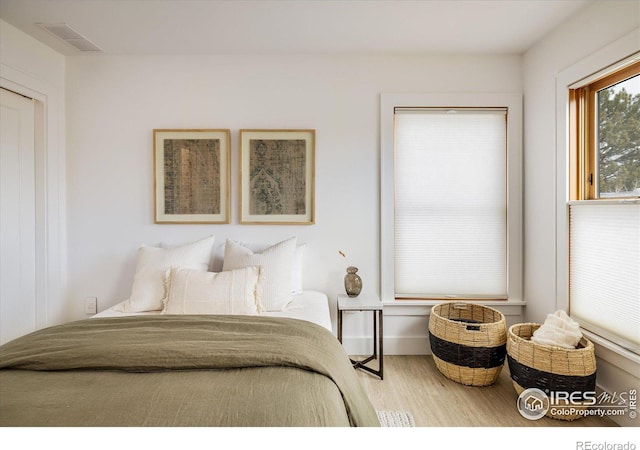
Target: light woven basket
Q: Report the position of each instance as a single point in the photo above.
(550, 368)
(468, 342)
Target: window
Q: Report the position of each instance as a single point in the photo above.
(606, 145)
(451, 201)
(604, 214)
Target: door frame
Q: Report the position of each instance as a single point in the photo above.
(49, 192)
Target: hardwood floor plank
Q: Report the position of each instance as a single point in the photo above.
(414, 384)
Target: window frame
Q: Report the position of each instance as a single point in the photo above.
(583, 145)
(580, 73)
(513, 103)
(582, 182)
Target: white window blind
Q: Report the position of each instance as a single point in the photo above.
(450, 203)
(604, 270)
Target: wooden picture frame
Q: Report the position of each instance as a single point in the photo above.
(277, 179)
(191, 175)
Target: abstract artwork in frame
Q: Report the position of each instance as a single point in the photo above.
(192, 173)
(277, 176)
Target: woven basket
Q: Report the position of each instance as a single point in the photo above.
(551, 369)
(468, 342)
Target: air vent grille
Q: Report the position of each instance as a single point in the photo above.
(70, 36)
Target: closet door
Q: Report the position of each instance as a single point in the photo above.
(17, 216)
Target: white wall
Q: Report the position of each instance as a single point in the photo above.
(34, 70)
(24, 53)
(596, 28)
(114, 103)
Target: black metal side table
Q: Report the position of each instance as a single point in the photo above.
(365, 303)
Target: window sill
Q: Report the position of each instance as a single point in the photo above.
(392, 303)
(614, 354)
(423, 307)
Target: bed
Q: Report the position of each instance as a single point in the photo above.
(188, 365)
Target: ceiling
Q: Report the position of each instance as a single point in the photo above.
(294, 26)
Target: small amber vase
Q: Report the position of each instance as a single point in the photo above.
(352, 282)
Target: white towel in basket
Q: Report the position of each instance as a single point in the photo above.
(558, 329)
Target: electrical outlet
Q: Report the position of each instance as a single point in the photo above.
(91, 305)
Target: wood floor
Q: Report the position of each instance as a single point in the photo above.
(414, 384)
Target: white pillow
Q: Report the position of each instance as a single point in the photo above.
(296, 267)
(276, 262)
(152, 270)
(233, 292)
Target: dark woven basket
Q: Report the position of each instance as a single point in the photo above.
(468, 342)
(550, 368)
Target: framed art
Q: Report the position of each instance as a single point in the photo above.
(192, 174)
(277, 176)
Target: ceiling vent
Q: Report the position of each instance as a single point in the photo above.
(70, 36)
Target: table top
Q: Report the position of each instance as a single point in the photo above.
(363, 302)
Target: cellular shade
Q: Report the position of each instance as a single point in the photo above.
(450, 203)
(604, 286)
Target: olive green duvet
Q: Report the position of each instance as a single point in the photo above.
(181, 371)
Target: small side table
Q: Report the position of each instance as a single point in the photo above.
(365, 303)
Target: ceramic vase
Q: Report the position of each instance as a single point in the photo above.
(352, 282)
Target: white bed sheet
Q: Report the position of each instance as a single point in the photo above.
(312, 306)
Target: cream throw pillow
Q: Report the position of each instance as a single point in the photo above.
(276, 262)
(231, 292)
(296, 266)
(152, 270)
